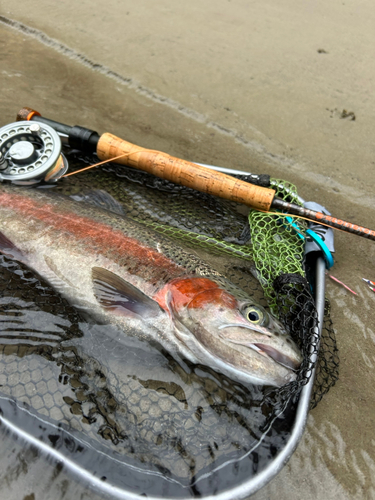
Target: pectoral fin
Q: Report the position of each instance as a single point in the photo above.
(116, 294)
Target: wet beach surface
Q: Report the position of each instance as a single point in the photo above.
(247, 113)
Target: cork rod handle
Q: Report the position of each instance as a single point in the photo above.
(184, 172)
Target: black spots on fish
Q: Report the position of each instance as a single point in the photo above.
(54, 438)
(156, 277)
(189, 262)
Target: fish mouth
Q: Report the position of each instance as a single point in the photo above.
(263, 349)
(276, 355)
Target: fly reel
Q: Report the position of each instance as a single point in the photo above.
(30, 153)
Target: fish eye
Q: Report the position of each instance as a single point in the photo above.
(255, 314)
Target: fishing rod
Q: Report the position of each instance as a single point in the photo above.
(108, 147)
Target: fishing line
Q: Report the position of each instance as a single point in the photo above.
(107, 161)
(95, 165)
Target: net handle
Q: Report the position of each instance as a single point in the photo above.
(184, 173)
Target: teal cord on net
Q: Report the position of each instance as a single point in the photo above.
(327, 255)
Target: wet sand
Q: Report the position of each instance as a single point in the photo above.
(252, 86)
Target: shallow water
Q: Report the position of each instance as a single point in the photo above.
(121, 408)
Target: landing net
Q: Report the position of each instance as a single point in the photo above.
(129, 412)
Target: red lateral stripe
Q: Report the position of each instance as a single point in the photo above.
(99, 237)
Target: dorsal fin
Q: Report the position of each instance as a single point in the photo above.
(101, 199)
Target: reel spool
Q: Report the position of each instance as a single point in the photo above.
(30, 153)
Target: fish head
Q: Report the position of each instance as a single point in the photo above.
(237, 337)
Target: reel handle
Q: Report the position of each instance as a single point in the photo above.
(184, 172)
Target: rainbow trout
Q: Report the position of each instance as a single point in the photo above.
(125, 274)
